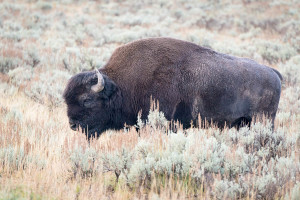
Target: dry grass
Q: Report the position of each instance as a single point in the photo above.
(41, 163)
(43, 43)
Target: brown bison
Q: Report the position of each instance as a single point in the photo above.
(185, 78)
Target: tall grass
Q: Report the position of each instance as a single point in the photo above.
(43, 43)
(41, 156)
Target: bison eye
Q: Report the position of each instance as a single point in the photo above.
(87, 103)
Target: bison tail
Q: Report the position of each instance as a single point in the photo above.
(278, 73)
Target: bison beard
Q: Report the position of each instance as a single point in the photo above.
(185, 78)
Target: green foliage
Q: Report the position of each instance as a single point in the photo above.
(19, 193)
(15, 194)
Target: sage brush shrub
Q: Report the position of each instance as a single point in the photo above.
(16, 158)
(13, 158)
(273, 52)
(149, 162)
(8, 63)
(49, 87)
(157, 119)
(32, 58)
(295, 193)
(224, 189)
(118, 162)
(20, 155)
(290, 71)
(221, 162)
(75, 60)
(84, 162)
(21, 75)
(291, 103)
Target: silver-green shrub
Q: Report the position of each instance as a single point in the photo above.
(290, 71)
(15, 158)
(8, 63)
(84, 161)
(221, 161)
(49, 87)
(12, 157)
(21, 75)
(225, 189)
(274, 52)
(295, 192)
(156, 119)
(119, 162)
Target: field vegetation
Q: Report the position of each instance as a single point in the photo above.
(43, 43)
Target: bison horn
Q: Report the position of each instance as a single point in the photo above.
(100, 84)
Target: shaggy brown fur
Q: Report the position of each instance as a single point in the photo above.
(187, 79)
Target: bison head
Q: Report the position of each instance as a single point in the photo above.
(93, 102)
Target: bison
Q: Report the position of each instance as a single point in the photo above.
(185, 78)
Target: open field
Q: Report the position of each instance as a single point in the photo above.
(44, 43)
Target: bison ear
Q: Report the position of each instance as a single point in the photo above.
(109, 89)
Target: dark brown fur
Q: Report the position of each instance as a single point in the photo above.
(187, 79)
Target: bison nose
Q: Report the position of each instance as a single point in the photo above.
(73, 125)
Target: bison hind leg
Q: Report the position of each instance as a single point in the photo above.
(183, 114)
(242, 122)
